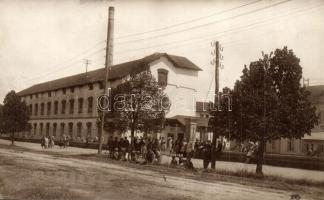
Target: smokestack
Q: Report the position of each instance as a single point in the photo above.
(109, 62)
(110, 37)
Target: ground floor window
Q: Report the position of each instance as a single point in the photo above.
(70, 129)
(89, 127)
(79, 129)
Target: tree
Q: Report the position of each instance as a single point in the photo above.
(1, 120)
(15, 115)
(269, 102)
(137, 104)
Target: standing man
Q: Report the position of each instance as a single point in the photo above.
(207, 154)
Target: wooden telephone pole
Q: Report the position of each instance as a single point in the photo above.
(108, 63)
(216, 62)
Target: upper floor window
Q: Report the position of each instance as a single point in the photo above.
(30, 109)
(71, 106)
(49, 94)
(72, 89)
(55, 107)
(90, 104)
(90, 86)
(80, 105)
(64, 91)
(63, 106)
(101, 85)
(162, 77)
(36, 109)
(31, 96)
(42, 108)
(49, 104)
(36, 95)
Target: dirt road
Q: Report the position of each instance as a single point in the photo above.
(33, 175)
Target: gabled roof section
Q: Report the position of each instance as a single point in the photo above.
(116, 72)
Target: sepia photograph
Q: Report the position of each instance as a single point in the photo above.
(162, 99)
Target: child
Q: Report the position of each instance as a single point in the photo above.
(174, 162)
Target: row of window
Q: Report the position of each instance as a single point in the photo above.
(63, 107)
(60, 129)
(64, 90)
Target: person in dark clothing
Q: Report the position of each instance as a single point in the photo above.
(207, 154)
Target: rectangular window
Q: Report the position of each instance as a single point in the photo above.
(79, 130)
(47, 129)
(101, 85)
(31, 96)
(41, 129)
(70, 129)
(42, 108)
(49, 94)
(71, 106)
(55, 107)
(36, 95)
(31, 109)
(80, 105)
(90, 104)
(35, 128)
(63, 106)
(62, 129)
(54, 129)
(64, 91)
(162, 77)
(290, 145)
(72, 89)
(90, 86)
(49, 104)
(89, 126)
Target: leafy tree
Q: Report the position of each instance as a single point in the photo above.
(269, 102)
(15, 115)
(137, 104)
(1, 120)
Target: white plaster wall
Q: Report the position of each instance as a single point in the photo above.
(180, 89)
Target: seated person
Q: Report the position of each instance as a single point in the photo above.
(174, 162)
(189, 165)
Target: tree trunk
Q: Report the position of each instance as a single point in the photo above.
(213, 152)
(260, 157)
(132, 131)
(12, 138)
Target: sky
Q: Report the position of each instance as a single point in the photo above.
(42, 40)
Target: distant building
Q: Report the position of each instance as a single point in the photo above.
(67, 106)
(313, 144)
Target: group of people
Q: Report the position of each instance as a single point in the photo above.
(48, 142)
(144, 150)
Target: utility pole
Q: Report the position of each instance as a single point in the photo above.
(108, 64)
(305, 81)
(86, 62)
(217, 63)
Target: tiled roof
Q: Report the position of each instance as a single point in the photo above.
(116, 72)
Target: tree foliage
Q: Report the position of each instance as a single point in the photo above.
(137, 104)
(269, 102)
(15, 114)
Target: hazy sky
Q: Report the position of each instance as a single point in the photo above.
(44, 40)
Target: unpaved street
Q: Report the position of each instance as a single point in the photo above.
(34, 175)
